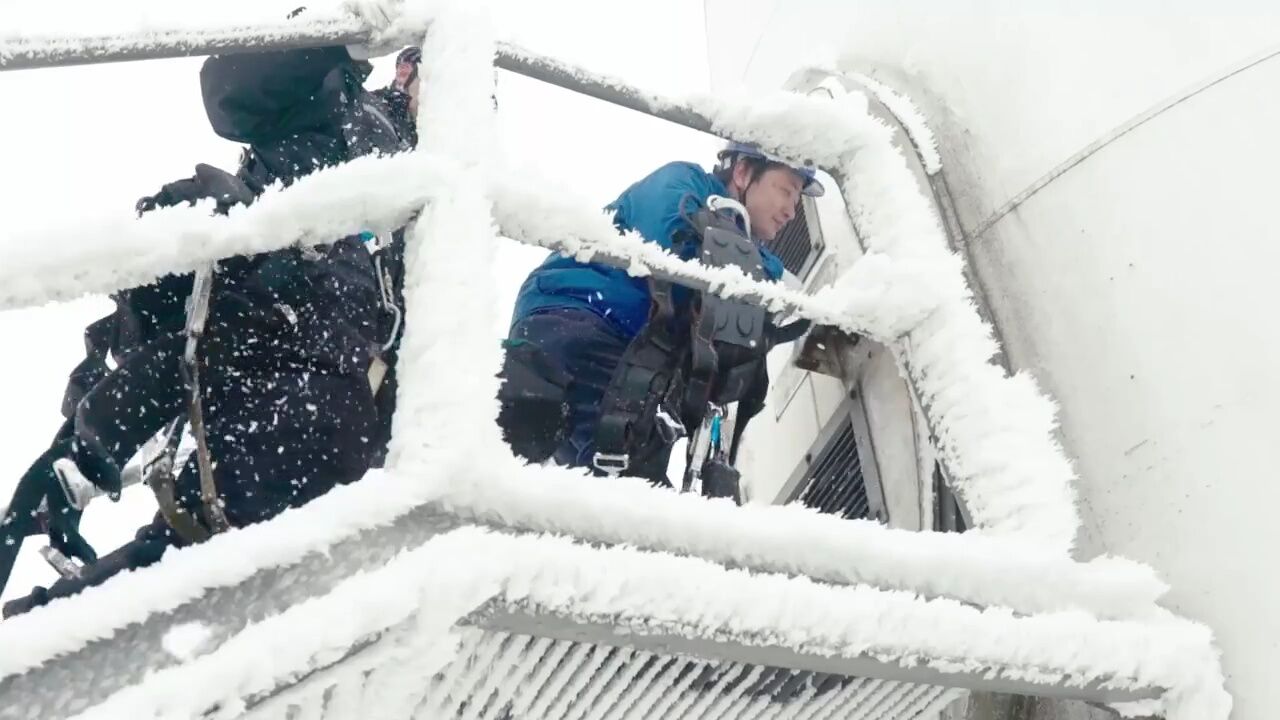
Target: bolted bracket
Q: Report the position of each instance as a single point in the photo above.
(828, 350)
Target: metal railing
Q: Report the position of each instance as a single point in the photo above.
(739, 663)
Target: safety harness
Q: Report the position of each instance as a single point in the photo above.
(690, 363)
(55, 491)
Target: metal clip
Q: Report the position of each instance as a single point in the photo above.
(388, 302)
(718, 202)
(65, 566)
(669, 428)
(288, 313)
(612, 464)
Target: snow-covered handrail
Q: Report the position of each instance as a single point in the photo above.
(885, 295)
(913, 122)
(179, 37)
(332, 203)
(995, 433)
(27, 48)
(55, 264)
(502, 493)
(967, 567)
(416, 596)
(689, 599)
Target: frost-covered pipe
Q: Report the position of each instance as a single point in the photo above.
(601, 87)
(54, 263)
(446, 357)
(24, 51)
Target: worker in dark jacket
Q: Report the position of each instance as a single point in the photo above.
(297, 345)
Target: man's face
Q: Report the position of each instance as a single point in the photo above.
(771, 200)
(404, 71)
(407, 82)
(414, 89)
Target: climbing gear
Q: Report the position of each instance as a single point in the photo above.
(705, 352)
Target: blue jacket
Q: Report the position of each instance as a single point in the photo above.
(652, 208)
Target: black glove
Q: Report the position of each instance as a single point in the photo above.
(783, 334)
(209, 182)
(63, 529)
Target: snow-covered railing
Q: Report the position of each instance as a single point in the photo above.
(375, 575)
(1018, 479)
(913, 122)
(55, 264)
(995, 433)
(688, 606)
(26, 50)
(392, 511)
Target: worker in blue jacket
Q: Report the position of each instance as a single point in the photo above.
(573, 320)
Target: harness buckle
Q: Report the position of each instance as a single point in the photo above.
(611, 463)
(669, 428)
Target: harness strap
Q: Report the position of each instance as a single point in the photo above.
(670, 365)
(159, 476)
(634, 407)
(704, 361)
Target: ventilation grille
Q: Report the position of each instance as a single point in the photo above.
(793, 244)
(503, 676)
(835, 483)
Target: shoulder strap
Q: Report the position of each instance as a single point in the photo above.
(636, 403)
(671, 370)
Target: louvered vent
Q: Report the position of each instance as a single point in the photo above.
(835, 483)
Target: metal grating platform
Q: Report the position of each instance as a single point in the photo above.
(505, 676)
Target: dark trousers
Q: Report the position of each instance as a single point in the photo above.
(277, 438)
(588, 349)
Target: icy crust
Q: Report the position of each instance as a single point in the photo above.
(63, 262)
(567, 225)
(792, 539)
(912, 120)
(57, 263)
(444, 430)
(410, 605)
(28, 641)
(88, 30)
(446, 406)
(497, 490)
(908, 291)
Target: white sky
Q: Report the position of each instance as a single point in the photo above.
(92, 140)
